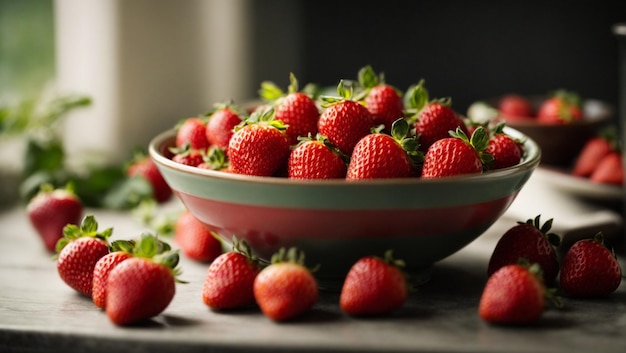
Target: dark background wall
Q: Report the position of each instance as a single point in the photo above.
(466, 50)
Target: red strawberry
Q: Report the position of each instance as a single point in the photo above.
(143, 166)
(230, 279)
(531, 241)
(382, 100)
(609, 170)
(504, 149)
(143, 286)
(514, 295)
(433, 120)
(192, 131)
(214, 159)
(590, 269)
(188, 156)
(344, 121)
(374, 286)
(514, 107)
(78, 252)
(456, 155)
(51, 210)
(259, 145)
(196, 241)
(589, 157)
(316, 159)
(121, 250)
(379, 155)
(295, 109)
(285, 289)
(222, 121)
(562, 107)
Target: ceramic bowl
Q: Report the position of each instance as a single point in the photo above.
(335, 222)
(560, 144)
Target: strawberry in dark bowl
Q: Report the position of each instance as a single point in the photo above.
(338, 221)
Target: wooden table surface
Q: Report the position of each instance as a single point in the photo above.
(39, 313)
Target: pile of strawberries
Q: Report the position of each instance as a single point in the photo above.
(368, 130)
(560, 107)
(600, 159)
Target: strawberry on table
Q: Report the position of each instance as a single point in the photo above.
(380, 155)
(285, 289)
(316, 158)
(383, 100)
(515, 295)
(529, 240)
(456, 155)
(590, 269)
(143, 286)
(192, 132)
(561, 107)
(143, 166)
(120, 250)
(259, 145)
(51, 209)
(195, 239)
(230, 279)
(344, 121)
(294, 108)
(374, 286)
(78, 252)
(222, 120)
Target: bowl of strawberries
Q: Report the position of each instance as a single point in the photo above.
(361, 172)
(559, 121)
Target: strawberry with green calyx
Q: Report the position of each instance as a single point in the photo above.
(51, 209)
(316, 158)
(221, 122)
(516, 295)
(195, 239)
(120, 250)
(141, 165)
(457, 155)
(187, 155)
(530, 240)
(78, 252)
(143, 286)
(380, 155)
(192, 132)
(432, 119)
(561, 107)
(259, 145)
(230, 278)
(295, 109)
(590, 269)
(383, 101)
(374, 286)
(285, 289)
(505, 151)
(344, 121)
(215, 159)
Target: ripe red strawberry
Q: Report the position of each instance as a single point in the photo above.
(259, 145)
(504, 149)
(529, 240)
(562, 107)
(344, 121)
(215, 159)
(514, 295)
(295, 109)
(188, 156)
(514, 107)
(382, 100)
(609, 170)
(120, 250)
(285, 289)
(374, 286)
(456, 155)
(230, 279)
(316, 159)
(50, 210)
(380, 155)
(192, 132)
(196, 241)
(590, 155)
(143, 286)
(590, 269)
(78, 252)
(222, 121)
(143, 166)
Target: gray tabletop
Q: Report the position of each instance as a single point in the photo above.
(39, 313)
